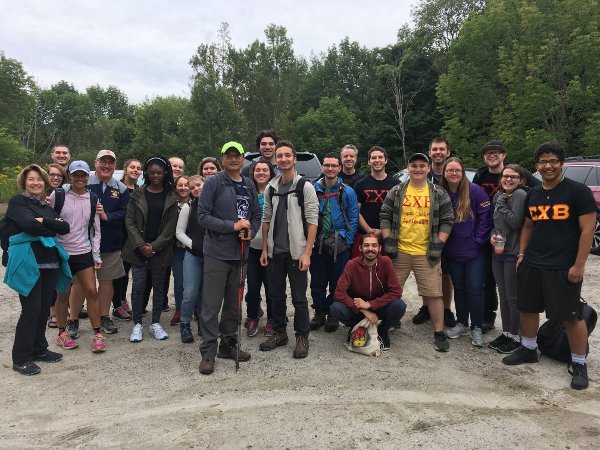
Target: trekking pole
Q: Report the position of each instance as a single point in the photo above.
(240, 296)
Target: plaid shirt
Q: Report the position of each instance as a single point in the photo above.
(441, 219)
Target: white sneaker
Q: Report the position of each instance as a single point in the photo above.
(157, 331)
(136, 334)
(458, 330)
(477, 337)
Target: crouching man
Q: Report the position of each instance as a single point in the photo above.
(369, 287)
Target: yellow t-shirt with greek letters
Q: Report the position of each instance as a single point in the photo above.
(413, 236)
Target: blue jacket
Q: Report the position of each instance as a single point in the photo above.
(22, 271)
(350, 203)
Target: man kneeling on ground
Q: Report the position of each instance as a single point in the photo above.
(369, 287)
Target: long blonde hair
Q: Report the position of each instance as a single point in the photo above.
(462, 209)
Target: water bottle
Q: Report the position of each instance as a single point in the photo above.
(500, 241)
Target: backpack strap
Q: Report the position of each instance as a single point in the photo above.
(93, 204)
(59, 199)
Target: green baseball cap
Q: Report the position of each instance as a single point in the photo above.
(232, 144)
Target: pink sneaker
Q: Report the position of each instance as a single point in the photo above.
(269, 328)
(98, 345)
(252, 326)
(125, 305)
(64, 340)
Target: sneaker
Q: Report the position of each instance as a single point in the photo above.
(580, 376)
(126, 307)
(157, 331)
(396, 327)
(121, 313)
(301, 349)
(422, 316)
(440, 343)
(49, 357)
(64, 340)
(318, 320)
(73, 328)
(229, 350)
(488, 326)
(458, 330)
(384, 336)
(499, 342)
(274, 341)
(522, 356)
(83, 314)
(509, 347)
(252, 327)
(449, 319)
(269, 328)
(176, 319)
(477, 337)
(29, 368)
(166, 308)
(98, 345)
(108, 325)
(331, 324)
(136, 333)
(207, 366)
(185, 330)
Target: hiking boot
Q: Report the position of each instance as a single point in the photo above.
(277, 340)
(458, 331)
(185, 330)
(449, 319)
(137, 334)
(29, 368)
(331, 324)
(108, 325)
(72, 328)
(477, 337)
(49, 357)
(318, 320)
(422, 316)
(440, 343)
(176, 319)
(488, 326)
(157, 331)
(228, 350)
(301, 349)
(64, 340)
(499, 342)
(98, 344)
(580, 376)
(83, 314)
(268, 328)
(509, 347)
(522, 356)
(121, 313)
(207, 366)
(384, 336)
(252, 327)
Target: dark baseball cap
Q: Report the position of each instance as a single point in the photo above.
(418, 157)
(495, 146)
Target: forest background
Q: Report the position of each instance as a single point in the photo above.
(522, 71)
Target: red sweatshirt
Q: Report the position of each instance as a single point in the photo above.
(377, 285)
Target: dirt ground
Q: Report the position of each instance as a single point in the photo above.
(151, 395)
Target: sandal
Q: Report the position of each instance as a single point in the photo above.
(52, 323)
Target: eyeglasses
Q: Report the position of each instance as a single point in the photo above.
(544, 162)
(511, 177)
(331, 166)
(104, 162)
(449, 171)
(492, 153)
(233, 156)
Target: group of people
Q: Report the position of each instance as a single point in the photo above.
(359, 235)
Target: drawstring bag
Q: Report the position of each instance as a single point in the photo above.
(364, 339)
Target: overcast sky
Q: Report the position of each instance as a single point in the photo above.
(144, 47)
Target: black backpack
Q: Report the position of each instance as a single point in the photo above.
(552, 339)
(299, 191)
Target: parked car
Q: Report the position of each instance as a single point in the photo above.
(307, 164)
(118, 175)
(586, 170)
(403, 174)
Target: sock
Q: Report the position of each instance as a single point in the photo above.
(579, 359)
(529, 343)
(98, 330)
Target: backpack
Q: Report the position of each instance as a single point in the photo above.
(552, 339)
(299, 191)
(4, 232)
(59, 202)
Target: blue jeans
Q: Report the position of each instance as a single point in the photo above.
(177, 269)
(468, 278)
(389, 315)
(257, 276)
(193, 276)
(324, 272)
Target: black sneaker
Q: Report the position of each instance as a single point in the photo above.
(440, 343)
(422, 316)
(83, 314)
(449, 319)
(72, 328)
(318, 320)
(499, 341)
(509, 347)
(522, 356)
(185, 330)
(331, 324)
(29, 368)
(49, 357)
(108, 325)
(384, 335)
(580, 376)
(488, 326)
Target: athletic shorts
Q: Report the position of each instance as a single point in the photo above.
(77, 263)
(550, 291)
(429, 279)
(112, 266)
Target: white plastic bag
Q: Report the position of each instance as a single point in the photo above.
(364, 339)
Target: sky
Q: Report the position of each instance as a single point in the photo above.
(144, 47)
